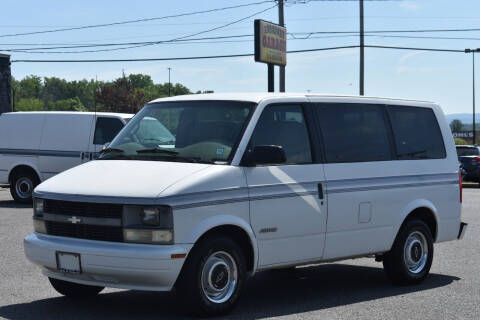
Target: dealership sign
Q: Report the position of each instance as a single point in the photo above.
(270, 43)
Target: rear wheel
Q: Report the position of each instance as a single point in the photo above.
(22, 185)
(411, 256)
(213, 276)
(74, 290)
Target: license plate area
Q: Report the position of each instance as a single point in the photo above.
(68, 262)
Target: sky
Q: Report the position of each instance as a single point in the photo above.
(445, 78)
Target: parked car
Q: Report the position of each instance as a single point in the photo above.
(35, 146)
(469, 158)
(248, 182)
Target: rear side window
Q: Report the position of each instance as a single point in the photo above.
(416, 133)
(354, 133)
(284, 125)
(106, 129)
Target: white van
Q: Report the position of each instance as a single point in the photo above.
(35, 146)
(248, 182)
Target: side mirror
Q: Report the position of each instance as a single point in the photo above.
(264, 155)
(105, 146)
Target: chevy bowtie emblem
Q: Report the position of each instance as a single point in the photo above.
(74, 220)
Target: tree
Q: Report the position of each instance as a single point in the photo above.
(460, 141)
(29, 104)
(29, 87)
(456, 125)
(120, 96)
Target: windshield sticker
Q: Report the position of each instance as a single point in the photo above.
(220, 151)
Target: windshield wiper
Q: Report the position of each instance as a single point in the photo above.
(170, 154)
(109, 150)
(158, 150)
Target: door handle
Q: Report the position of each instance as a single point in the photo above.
(320, 191)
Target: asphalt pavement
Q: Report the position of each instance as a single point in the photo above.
(352, 289)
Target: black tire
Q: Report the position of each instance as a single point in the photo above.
(74, 290)
(409, 246)
(190, 281)
(26, 181)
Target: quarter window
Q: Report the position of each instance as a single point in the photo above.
(416, 132)
(106, 129)
(354, 133)
(284, 125)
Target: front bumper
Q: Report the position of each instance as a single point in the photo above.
(108, 264)
(462, 230)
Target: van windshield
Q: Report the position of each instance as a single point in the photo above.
(183, 131)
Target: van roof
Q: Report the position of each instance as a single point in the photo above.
(120, 115)
(259, 96)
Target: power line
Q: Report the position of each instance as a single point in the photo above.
(137, 20)
(232, 55)
(414, 48)
(200, 40)
(293, 34)
(158, 42)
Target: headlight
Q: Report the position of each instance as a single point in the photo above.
(38, 206)
(148, 224)
(150, 216)
(39, 226)
(148, 236)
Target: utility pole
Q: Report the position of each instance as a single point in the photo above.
(169, 85)
(472, 51)
(281, 22)
(362, 49)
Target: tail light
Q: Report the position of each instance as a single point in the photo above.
(477, 159)
(460, 185)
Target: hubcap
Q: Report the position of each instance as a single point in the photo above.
(219, 277)
(24, 187)
(416, 252)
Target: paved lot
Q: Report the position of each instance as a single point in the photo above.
(355, 289)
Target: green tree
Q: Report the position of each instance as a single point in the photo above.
(29, 104)
(29, 87)
(72, 104)
(460, 141)
(456, 125)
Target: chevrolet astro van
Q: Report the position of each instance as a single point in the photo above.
(238, 183)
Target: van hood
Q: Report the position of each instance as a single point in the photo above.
(120, 178)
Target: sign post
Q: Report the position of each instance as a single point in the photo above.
(270, 47)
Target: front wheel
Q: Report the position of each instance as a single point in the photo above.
(74, 290)
(22, 186)
(410, 259)
(213, 276)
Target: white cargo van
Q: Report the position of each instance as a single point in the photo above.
(35, 146)
(199, 192)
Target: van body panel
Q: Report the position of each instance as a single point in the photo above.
(48, 142)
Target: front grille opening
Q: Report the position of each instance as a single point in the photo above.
(84, 209)
(85, 231)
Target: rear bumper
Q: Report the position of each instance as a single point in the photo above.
(472, 175)
(107, 264)
(462, 230)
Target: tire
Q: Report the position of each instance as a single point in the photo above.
(22, 185)
(410, 259)
(216, 263)
(74, 290)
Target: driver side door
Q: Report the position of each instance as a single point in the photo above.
(288, 209)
